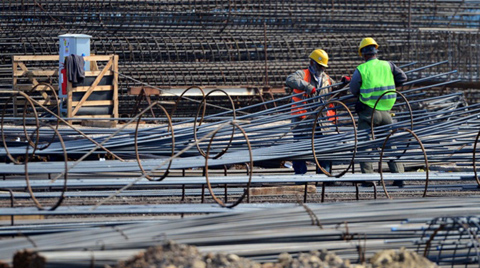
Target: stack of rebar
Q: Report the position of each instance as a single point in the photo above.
(432, 120)
(173, 43)
(189, 16)
(442, 229)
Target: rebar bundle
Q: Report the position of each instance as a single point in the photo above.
(117, 16)
(423, 133)
(209, 42)
(353, 231)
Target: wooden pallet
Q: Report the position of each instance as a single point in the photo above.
(26, 78)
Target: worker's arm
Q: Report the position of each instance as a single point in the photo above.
(295, 80)
(398, 75)
(356, 83)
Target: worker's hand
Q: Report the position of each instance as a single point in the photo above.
(313, 91)
(346, 80)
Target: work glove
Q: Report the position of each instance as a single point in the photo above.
(345, 80)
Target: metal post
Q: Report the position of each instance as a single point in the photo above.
(323, 191)
(305, 193)
(357, 192)
(183, 192)
(226, 193)
(265, 49)
(12, 204)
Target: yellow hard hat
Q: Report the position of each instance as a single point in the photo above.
(320, 56)
(366, 42)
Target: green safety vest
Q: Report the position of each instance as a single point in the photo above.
(377, 78)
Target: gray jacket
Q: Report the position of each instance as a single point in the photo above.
(296, 81)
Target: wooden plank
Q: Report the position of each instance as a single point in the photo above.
(57, 58)
(93, 66)
(94, 116)
(97, 73)
(37, 58)
(35, 72)
(98, 88)
(92, 87)
(14, 79)
(42, 102)
(33, 79)
(25, 69)
(282, 190)
(69, 100)
(25, 87)
(149, 91)
(98, 57)
(23, 217)
(93, 103)
(14, 68)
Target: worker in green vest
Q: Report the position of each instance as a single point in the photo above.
(369, 81)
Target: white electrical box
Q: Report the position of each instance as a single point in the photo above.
(77, 44)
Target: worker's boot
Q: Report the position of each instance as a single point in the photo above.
(396, 168)
(398, 183)
(369, 183)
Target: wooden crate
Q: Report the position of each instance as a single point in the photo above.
(27, 77)
(110, 88)
(79, 96)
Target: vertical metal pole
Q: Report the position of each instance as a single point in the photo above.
(12, 204)
(477, 49)
(323, 191)
(409, 25)
(183, 192)
(226, 198)
(409, 14)
(265, 49)
(357, 192)
(305, 193)
(203, 193)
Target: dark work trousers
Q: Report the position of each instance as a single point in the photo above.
(380, 118)
(303, 131)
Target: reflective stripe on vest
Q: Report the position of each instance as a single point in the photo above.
(299, 108)
(377, 78)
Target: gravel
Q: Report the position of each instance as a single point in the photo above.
(173, 255)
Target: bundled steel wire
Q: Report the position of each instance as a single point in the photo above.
(224, 15)
(269, 132)
(443, 228)
(158, 39)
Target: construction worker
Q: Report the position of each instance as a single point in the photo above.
(369, 81)
(310, 82)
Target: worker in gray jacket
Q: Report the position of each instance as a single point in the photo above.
(370, 81)
(306, 84)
